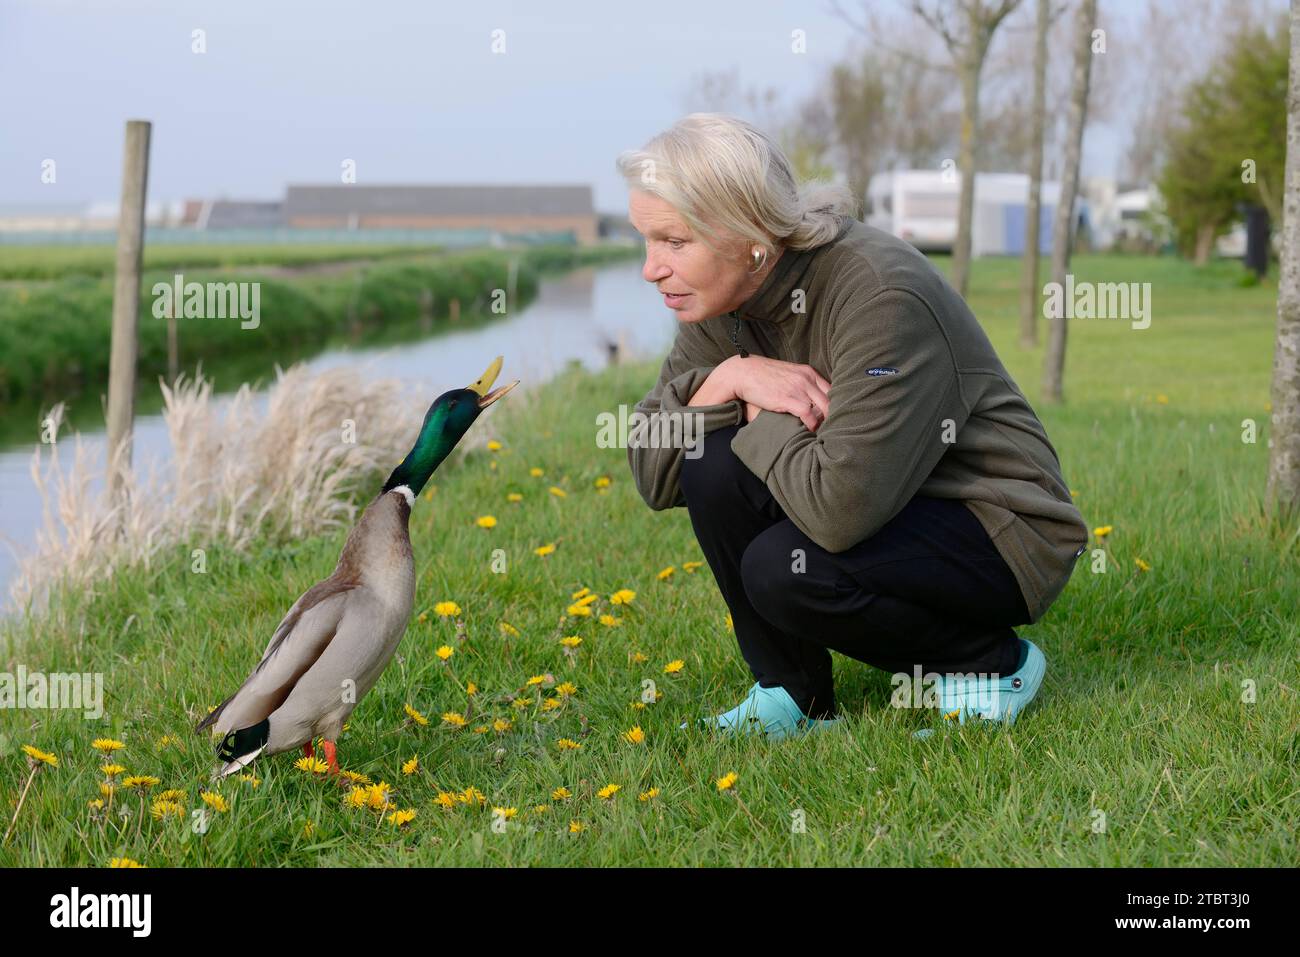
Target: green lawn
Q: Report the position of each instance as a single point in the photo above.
(1141, 723)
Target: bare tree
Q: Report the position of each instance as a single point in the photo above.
(1283, 492)
(1063, 228)
(1029, 282)
(966, 28)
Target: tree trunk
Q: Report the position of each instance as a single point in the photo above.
(1063, 228)
(1204, 243)
(1282, 496)
(970, 117)
(1030, 295)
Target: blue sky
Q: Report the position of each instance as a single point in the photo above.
(411, 90)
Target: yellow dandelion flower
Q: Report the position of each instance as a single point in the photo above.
(402, 818)
(472, 795)
(357, 798)
(124, 862)
(141, 781)
(586, 600)
(1073, 493)
(561, 794)
(608, 791)
(356, 777)
(377, 796)
(172, 794)
(638, 705)
(423, 617)
(576, 827)
(639, 659)
(1101, 531)
(96, 805)
(635, 735)
(535, 472)
(471, 688)
(689, 567)
(581, 592)
(160, 809)
(214, 801)
(730, 625)
(37, 756)
(251, 780)
(666, 573)
(481, 729)
(509, 629)
(445, 799)
(727, 781)
(536, 680)
(1162, 399)
(623, 596)
(112, 770)
(411, 766)
(521, 703)
(1141, 564)
(648, 795)
(311, 765)
(453, 719)
(570, 641)
(566, 689)
(445, 651)
(952, 715)
(558, 492)
(602, 481)
(308, 829)
(502, 725)
(550, 704)
(567, 744)
(541, 808)
(107, 789)
(415, 715)
(514, 497)
(107, 745)
(166, 741)
(609, 621)
(505, 812)
(579, 611)
(541, 551)
(445, 609)
(674, 667)
(493, 445)
(486, 521)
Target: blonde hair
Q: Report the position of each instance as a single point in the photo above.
(717, 168)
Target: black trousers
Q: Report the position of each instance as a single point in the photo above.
(928, 589)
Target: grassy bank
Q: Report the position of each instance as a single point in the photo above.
(54, 338)
(60, 262)
(1140, 727)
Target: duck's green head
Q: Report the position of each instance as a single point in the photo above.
(447, 420)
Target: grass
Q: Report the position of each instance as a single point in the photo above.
(57, 262)
(1141, 718)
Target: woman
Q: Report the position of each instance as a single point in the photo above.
(871, 480)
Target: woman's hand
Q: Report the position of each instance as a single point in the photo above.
(778, 386)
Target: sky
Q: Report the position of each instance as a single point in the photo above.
(409, 89)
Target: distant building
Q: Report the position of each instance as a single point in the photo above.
(921, 206)
(506, 209)
(232, 214)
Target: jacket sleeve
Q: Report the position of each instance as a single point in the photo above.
(657, 470)
(883, 433)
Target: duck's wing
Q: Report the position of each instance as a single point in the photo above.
(297, 643)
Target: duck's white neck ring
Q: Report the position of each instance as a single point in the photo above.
(406, 493)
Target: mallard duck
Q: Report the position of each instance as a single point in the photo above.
(338, 637)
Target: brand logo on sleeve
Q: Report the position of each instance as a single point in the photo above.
(882, 370)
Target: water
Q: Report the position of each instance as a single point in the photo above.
(573, 317)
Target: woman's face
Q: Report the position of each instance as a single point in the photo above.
(710, 283)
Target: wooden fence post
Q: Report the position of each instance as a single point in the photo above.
(125, 346)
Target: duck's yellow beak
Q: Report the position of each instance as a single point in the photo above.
(484, 383)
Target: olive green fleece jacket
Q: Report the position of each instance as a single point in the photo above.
(919, 404)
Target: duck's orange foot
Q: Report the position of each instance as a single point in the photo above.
(331, 757)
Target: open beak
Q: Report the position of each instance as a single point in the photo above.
(485, 381)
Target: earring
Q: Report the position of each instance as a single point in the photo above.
(760, 257)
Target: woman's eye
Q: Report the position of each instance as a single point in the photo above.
(676, 243)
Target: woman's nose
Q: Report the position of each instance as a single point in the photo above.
(653, 271)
